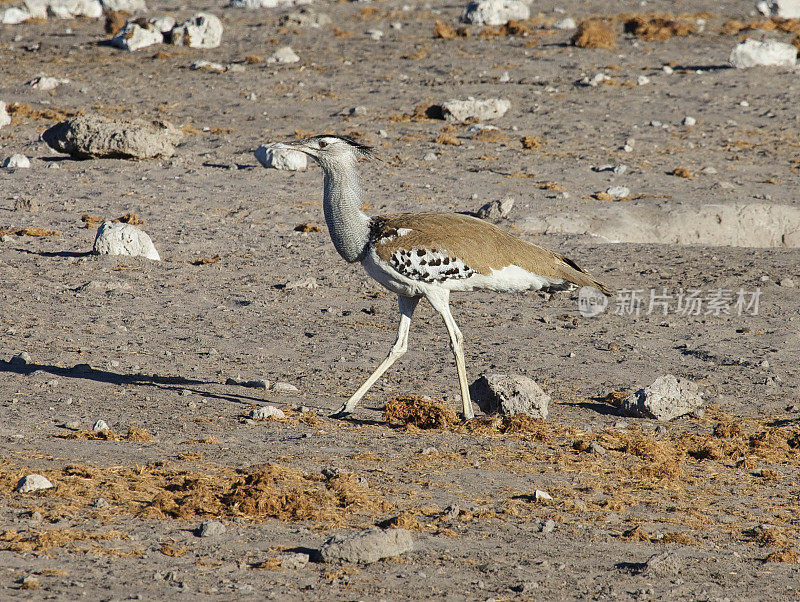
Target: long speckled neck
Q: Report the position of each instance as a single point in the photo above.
(347, 224)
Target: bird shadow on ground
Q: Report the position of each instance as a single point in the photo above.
(167, 383)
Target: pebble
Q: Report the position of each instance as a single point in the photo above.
(45, 83)
(547, 526)
(540, 495)
(134, 36)
(509, 395)
(265, 412)
(375, 34)
(100, 425)
(359, 111)
(689, 121)
(281, 387)
(17, 161)
(452, 511)
(368, 546)
(211, 528)
(643, 80)
(33, 482)
(294, 560)
(21, 359)
(426, 451)
(787, 282)
(253, 384)
(618, 192)
(208, 65)
(495, 12)
(5, 118)
(596, 448)
(496, 210)
(100, 502)
(284, 55)
(308, 283)
(668, 70)
(430, 157)
(565, 24)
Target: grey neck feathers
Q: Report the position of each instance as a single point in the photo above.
(347, 224)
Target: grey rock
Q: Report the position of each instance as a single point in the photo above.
(100, 502)
(130, 6)
(203, 30)
(94, 136)
(100, 425)
(117, 238)
(33, 482)
(510, 394)
(293, 560)
(136, 35)
(69, 9)
(210, 528)
(281, 387)
(495, 12)
(367, 546)
(164, 24)
(619, 192)
(783, 9)
(452, 511)
(17, 161)
(666, 399)
(5, 118)
(596, 448)
(284, 55)
(664, 564)
(463, 110)
(273, 156)
(541, 496)
(265, 412)
(786, 282)
(254, 384)
(770, 53)
(496, 210)
(21, 359)
(547, 526)
(45, 83)
(304, 18)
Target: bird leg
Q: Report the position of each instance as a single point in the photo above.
(407, 306)
(440, 300)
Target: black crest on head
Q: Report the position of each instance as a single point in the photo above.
(363, 150)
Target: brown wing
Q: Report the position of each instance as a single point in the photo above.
(474, 243)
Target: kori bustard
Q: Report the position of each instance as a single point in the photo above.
(418, 255)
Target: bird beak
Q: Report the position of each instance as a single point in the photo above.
(297, 145)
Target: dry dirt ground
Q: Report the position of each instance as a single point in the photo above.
(148, 347)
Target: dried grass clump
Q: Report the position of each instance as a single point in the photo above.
(133, 434)
(41, 541)
(19, 110)
(447, 139)
(784, 556)
(420, 412)
(682, 172)
(130, 218)
(495, 136)
(444, 31)
(531, 142)
(652, 28)
(37, 232)
(595, 33)
(307, 227)
(734, 26)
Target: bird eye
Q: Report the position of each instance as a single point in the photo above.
(322, 144)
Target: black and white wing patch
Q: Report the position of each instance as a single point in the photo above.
(429, 265)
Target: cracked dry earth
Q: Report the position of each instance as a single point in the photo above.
(148, 347)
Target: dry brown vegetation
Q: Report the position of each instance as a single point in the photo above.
(595, 33)
(34, 231)
(657, 28)
(133, 434)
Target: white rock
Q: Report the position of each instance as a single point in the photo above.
(254, 4)
(265, 412)
(37, 8)
(477, 128)
(495, 12)
(594, 81)
(45, 83)
(135, 37)
(204, 30)
(367, 546)
(14, 16)
(281, 387)
(666, 399)
(509, 395)
(540, 495)
(619, 192)
(309, 283)
(69, 9)
(163, 24)
(284, 55)
(504, 78)
(275, 157)
(689, 121)
(565, 24)
(132, 6)
(17, 161)
(207, 65)
(375, 34)
(431, 156)
(117, 238)
(211, 528)
(783, 9)
(293, 561)
(643, 80)
(462, 110)
(5, 118)
(33, 482)
(668, 70)
(752, 53)
(100, 425)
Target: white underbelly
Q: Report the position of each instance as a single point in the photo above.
(510, 279)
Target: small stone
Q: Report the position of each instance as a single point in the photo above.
(275, 156)
(30, 582)
(284, 56)
(265, 412)
(666, 399)
(430, 157)
(21, 359)
(367, 546)
(359, 111)
(135, 36)
(786, 282)
(5, 118)
(210, 528)
(426, 451)
(664, 564)
(309, 283)
(509, 395)
(73, 425)
(100, 425)
(207, 66)
(655, 123)
(547, 526)
(14, 16)
(770, 53)
(668, 70)
(375, 34)
(100, 502)
(541, 496)
(452, 511)
(618, 192)
(596, 448)
(254, 384)
(45, 83)
(118, 238)
(495, 12)
(782, 9)
(293, 561)
(464, 110)
(163, 24)
(643, 80)
(689, 121)
(33, 482)
(17, 161)
(496, 210)
(281, 387)
(565, 24)
(203, 30)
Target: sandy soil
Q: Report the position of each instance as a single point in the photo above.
(151, 345)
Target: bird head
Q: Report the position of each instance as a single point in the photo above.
(329, 150)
